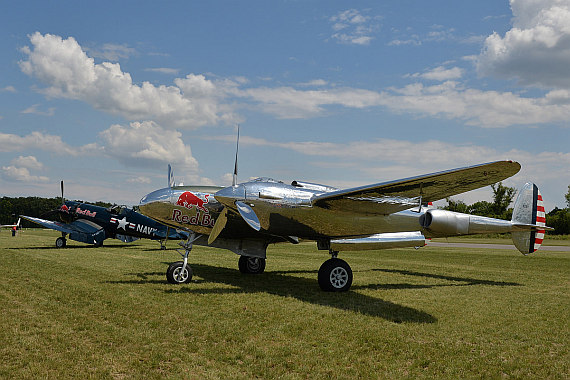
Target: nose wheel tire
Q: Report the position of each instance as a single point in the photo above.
(175, 274)
(251, 265)
(335, 275)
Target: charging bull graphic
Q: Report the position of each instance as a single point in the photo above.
(189, 200)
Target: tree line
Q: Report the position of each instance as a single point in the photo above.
(10, 208)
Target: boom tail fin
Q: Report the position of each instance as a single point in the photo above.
(529, 217)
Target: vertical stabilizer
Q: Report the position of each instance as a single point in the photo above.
(529, 211)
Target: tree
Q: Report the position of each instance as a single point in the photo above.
(559, 219)
(568, 197)
(502, 198)
(499, 208)
(482, 208)
(457, 206)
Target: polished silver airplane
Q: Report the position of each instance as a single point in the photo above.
(245, 218)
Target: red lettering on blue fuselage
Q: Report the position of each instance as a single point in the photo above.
(86, 212)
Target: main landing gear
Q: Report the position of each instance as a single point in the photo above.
(335, 275)
(251, 265)
(61, 242)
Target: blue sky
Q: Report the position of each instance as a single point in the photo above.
(104, 95)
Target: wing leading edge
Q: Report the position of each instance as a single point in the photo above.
(393, 196)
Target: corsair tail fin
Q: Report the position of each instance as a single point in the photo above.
(529, 220)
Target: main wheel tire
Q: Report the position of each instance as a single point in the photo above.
(174, 274)
(60, 242)
(335, 275)
(251, 265)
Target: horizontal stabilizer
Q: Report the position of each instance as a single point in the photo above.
(380, 241)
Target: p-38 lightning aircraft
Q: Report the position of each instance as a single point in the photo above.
(91, 224)
(245, 218)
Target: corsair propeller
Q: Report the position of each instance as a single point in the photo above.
(64, 213)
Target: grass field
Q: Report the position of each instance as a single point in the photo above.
(450, 313)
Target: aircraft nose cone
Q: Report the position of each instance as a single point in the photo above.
(230, 194)
(162, 195)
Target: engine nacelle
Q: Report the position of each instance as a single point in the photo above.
(449, 223)
(445, 222)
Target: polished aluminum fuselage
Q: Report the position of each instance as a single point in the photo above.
(283, 211)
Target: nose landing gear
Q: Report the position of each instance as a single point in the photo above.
(180, 272)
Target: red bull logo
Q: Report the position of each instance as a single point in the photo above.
(189, 200)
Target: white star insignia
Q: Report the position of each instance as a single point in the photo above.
(122, 223)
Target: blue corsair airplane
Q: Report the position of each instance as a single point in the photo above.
(87, 223)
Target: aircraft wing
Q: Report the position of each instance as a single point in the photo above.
(126, 238)
(77, 226)
(389, 197)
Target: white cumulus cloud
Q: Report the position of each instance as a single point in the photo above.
(145, 144)
(40, 141)
(69, 72)
(536, 50)
(20, 170)
(30, 162)
(195, 100)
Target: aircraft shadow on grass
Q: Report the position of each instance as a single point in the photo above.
(457, 281)
(284, 284)
(81, 246)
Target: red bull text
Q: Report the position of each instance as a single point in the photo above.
(200, 219)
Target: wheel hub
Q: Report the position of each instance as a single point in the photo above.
(338, 277)
(179, 275)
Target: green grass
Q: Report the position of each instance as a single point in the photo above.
(436, 312)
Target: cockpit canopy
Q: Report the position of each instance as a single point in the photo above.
(117, 209)
(266, 179)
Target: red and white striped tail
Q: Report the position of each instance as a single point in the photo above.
(537, 237)
(528, 218)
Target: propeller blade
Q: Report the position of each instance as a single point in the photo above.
(62, 198)
(234, 180)
(218, 226)
(248, 215)
(171, 183)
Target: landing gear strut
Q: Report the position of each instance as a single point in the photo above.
(335, 275)
(180, 272)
